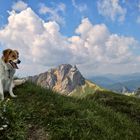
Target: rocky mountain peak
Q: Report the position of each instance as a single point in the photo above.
(64, 79)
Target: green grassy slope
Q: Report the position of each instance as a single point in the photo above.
(42, 114)
(87, 89)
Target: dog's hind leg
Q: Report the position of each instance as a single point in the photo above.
(19, 82)
(1, 91)
(11, 89)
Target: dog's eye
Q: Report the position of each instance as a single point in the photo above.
(13, 56)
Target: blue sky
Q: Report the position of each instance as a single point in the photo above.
(118, 20)
(128, 27)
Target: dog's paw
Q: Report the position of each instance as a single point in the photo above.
(13, 95)
(2, 98)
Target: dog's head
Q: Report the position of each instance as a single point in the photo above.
(12, 57)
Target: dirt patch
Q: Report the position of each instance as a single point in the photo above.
(37, 133)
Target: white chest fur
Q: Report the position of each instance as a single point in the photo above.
(6, 71)
(6, 76)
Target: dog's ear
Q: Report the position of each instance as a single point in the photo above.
(6, 53)
(16, 52)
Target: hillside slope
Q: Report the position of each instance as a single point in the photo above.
(41, 114)
(86, 89)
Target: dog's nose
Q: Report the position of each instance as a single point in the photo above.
(19, 62)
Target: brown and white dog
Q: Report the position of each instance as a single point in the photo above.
(8, 66)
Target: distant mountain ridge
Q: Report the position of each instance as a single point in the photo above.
(65, 79)
(118, 82)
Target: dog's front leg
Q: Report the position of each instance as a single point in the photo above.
(11, 89)
(1, 91)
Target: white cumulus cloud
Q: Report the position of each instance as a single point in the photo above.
(111, 9)
(41, 45)
(37, 41)
(19, 5)
(99, 48)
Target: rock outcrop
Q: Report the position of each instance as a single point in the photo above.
(64, 79)
(125, 90)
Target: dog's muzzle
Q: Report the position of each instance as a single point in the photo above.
(14, 63)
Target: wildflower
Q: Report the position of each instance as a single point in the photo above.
(8, 99)
(1, 128)
(5, 126)
(4, 108)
